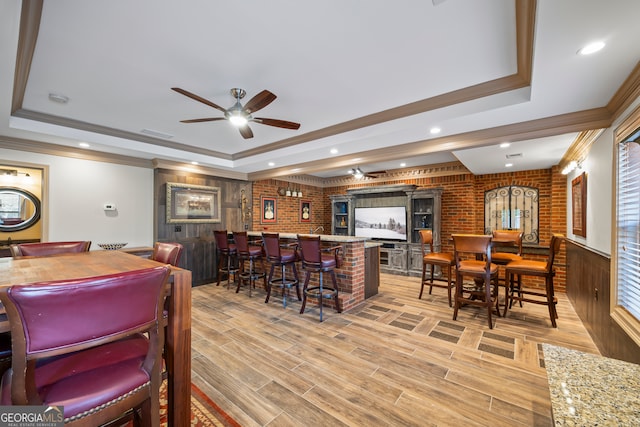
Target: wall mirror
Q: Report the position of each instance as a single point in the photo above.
(19, 209)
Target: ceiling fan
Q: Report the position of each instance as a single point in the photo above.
(239, 115)
(359, 174)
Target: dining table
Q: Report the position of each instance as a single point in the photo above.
(25, 270)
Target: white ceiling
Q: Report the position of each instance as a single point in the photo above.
(364, 78)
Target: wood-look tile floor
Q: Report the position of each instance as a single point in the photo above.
(394, 360)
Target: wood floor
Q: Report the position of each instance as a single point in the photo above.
(394, 360)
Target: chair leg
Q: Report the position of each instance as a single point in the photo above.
(284, 295)
(424, 268)
(221, 262)
(335, 287)
(295, 277)
(431, 278)
(487, 293)
(321, 296)
(458, 294)
(449, 284)
(550, 301)
(304, 291)
(268, 283)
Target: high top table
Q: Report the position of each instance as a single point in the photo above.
(97, 263)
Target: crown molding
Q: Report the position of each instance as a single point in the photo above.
(202, 170)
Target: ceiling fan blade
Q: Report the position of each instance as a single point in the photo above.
(277, 123)
(259, 101)
(210, 119)
(246, 132)
(198, 98)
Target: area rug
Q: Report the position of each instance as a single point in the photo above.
(204, 411)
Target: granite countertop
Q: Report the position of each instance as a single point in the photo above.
(323, 237)
(588, 389)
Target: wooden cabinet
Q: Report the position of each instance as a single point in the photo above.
(425, 209)
(371, 270)
(393, 258)
(341, 221)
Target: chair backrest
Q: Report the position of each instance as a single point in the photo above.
(554, 248)
(59, 317)
(222, 239)
(472, 244)
(242, 241)
(509, 238)
(310, 250)
(271, 243)
(167, 253)
(426, 240)
(49, 248)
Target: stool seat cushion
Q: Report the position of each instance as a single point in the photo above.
(475, 267)
(231, 249)
(505, 257)
(287, 255)
(440, 257)
(328, 261)
(528, 266)
(254, 251)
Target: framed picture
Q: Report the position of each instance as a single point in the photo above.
(579, 205)
(269, 210)
(192, 203)
(305, 210)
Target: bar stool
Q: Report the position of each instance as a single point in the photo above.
(251, 253)
(484, 291)
(278, 256)
(534, 268)
(431, 258)
(228, 256)
(318, 260)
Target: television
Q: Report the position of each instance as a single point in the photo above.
(384, 223)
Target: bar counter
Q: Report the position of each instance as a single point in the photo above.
(591, 390)
(351, 274)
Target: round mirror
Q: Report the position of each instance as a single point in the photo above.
(19, 209)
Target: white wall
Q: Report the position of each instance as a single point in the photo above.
(600, 198)
(78, 190)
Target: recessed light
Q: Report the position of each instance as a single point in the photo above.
(505, 145)
(508, 165)
(84, 144)
(403, 165)
(435, 130)
(271, 164)
(194, 163)
(334, 151)
(591, 48)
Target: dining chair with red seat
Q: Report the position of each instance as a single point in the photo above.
(315, 259)
(48, 248)
(228, 256)
(167, 253)
(440, 259)
(472, 254)
(70, 350)
(252, 252)
(516, 269)
(279, 256)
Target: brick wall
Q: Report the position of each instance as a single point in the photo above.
(462, 205)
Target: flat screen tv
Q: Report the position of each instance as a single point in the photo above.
(386, 223)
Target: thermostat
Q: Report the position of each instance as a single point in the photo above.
(109, 207)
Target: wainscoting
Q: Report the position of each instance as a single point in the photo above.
(588, 289)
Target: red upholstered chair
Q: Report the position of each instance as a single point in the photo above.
(253, 254)
(282, 257)
(433, 259)
(318, 260)
(48, 248)
(228, 256)
(167, 253)
(472, 253)
(70, 350)
(516, 269)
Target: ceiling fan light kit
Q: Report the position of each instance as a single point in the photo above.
(240, 115)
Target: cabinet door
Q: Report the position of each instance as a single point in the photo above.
(415, 260)
(398, 259)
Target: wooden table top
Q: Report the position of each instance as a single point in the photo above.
(69, 266)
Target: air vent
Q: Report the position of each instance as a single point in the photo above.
(514, 156)
(156, 134)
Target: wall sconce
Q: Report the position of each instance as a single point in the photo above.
(299, 193)
(295, 192)
(571, 166)
(288, 192)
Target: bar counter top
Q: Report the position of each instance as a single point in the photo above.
(589, 389)
(323, 237)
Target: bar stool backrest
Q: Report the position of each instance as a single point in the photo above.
(272, 246)
(222, 239)
(310, 250)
